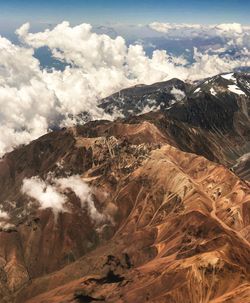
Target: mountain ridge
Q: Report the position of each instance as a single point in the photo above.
(146, 208)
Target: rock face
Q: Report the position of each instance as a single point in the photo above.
(144, 98)
(209, 118)
(150, 208)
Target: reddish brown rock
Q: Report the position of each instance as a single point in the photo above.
(176, 228)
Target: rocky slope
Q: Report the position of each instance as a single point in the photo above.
(210, 117)
(144, 98)
(143, 209)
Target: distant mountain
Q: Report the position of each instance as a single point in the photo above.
(144, 98)
(163, 95)
(215, 112)
(152, 207)
(106, 30)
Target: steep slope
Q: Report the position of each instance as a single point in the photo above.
(210, 117)
(220, 107)
(144, 98)
(142, 209)
(167, 226)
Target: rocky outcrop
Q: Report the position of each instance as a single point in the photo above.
(149, 208)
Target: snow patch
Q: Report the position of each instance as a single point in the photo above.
(148, 109)
(242, 159)
(236, 90)
(172, 102)
(229, 76)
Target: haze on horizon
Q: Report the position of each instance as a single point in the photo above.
(41, 14)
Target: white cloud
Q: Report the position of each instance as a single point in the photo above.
(178, 94)
(3, 215)
(5, 226)
(232, 35)
(34, 100)
(167, 27)
(45, 194)
(183, 29)
(234, 28)
(83, 192)
(50, 194)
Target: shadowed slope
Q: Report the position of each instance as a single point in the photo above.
(157, 221)
(179, 230)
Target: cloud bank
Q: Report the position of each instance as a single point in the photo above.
(183, 29)
(34, 100)
(232, 35)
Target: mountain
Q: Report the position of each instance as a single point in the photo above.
(144, 98)
(148, 208)
(209, 118)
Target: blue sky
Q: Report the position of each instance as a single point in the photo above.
(15, 12)
(102, 66)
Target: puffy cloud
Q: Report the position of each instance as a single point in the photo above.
(212, 64)
(78, 45)
(178, 94)
(50, 194)
(83, 192)
(3, 215)
(230, 28)
(45, 194)
(34, 100)
(26, 104)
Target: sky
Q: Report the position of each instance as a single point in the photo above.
(41, 13)
(60, 58)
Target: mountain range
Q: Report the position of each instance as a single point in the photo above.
(151, 207)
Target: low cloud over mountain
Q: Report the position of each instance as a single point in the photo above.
(34, 100)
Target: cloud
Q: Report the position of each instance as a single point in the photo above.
(230, 34)
(168, 27)
(178, 94)
(83, 192)
(233, 28)
(26, 104)
(34, 100)
(185, 29)
(50, 194)
(45, 194)
(5, 226)
(3, 215)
